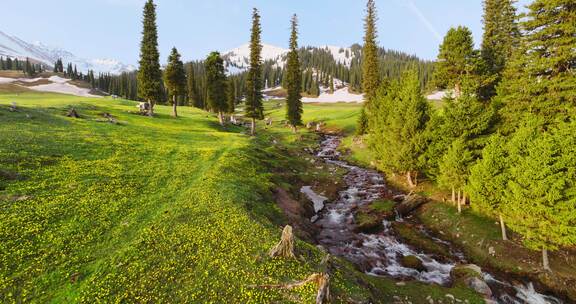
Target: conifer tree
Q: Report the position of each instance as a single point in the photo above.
(216, 85)
(293, 80)
(254, 109)
(541, 190)
(231, 97)
(398, 120)
(370, 64)
(193, 99)
(331, 84)
(175, 79)
(488, 180)
(500, 38)
(2, 64)
(454, 169)
(455, 59)
(149, 74)
(540, 76)
(28, 68)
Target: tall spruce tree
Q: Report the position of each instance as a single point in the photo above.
(294, 80)
(454, 169)
(216, 85)
(370, 64)
(500, 38)
(398, 120)
(192, 93)
(541, 189)
(254, 108)
(230, 97)
(540, 78)
(488, 180)
(175, 79)
(149, 74)
(455, 59)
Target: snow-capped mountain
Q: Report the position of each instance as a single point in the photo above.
(14, 47)
(238, 59)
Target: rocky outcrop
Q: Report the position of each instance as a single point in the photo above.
(413, 262)
(471, 275)
(297, 213)
(409, 203)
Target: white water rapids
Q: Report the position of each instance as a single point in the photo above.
(380, 253)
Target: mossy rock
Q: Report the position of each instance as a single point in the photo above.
(383, 206)
(410, 261)
(414, 237)
(369, 218)
(461, 273)
(367, 222)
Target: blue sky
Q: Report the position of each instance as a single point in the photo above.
(111, 28)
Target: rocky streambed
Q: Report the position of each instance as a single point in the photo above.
(382, 253)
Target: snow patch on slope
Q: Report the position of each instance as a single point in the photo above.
(340, 95)
(341, 55)
(14, 47)
(57, 85)
(238, 59)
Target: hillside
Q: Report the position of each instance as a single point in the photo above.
(13, 81)
(14, 47)
(191, 222)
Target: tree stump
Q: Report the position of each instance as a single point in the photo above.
(73, 113)
(284, 248)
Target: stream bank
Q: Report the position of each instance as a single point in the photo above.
(383, 253)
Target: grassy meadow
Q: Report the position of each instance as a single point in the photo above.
(158, 209)
(93, 211)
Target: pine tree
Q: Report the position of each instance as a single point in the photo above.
(28, 68)
(216, 85)
(541, 190)
(454, 168)
(500, 38)
(370, 64)
(398, 119)
(455, 59)
(540, 77)
(149, 74)
(293, 80)
(488, 180)
(175, 79)
(231, 97)
(254, 108)
(2, 64)
(465, 118)
(331, 84)
(193, 99)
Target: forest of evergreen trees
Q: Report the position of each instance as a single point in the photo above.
(504, 141)
(28, 67)
(318, 65)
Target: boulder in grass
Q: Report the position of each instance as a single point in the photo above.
(410, 203)
(413, 262)
(471, 275)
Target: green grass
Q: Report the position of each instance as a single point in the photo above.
(337, 116)
(151, 210)
(382, 206)
(157, 209)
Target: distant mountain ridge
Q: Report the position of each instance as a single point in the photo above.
(14, 47)
(238, 60)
